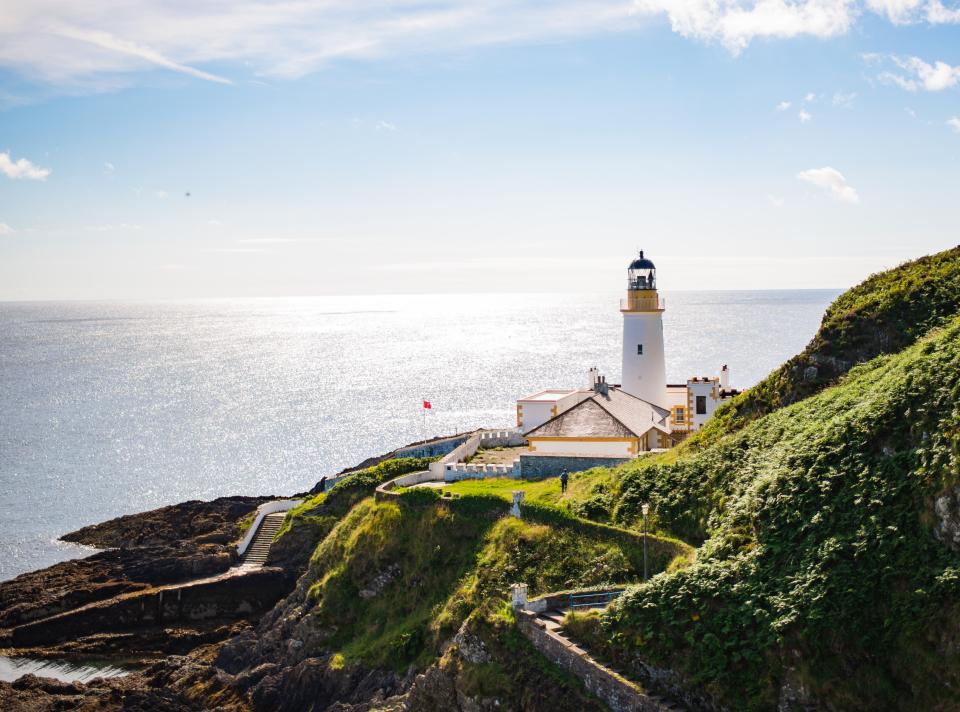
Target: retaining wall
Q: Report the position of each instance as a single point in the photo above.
(538, 467)
(224, 596)
(618, 693)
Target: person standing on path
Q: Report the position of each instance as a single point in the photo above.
(564, 477)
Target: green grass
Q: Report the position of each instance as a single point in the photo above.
(426, 567)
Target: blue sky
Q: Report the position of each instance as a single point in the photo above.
(381, 147)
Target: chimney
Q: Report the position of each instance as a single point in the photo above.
(592, 376)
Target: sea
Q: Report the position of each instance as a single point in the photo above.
(111, 408)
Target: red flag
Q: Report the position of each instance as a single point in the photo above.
(426, 404)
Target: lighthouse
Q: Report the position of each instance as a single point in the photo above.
(644, 372)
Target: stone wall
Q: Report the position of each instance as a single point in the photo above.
(538, 467)
(226, 596)
(618, 693)
(434, 448)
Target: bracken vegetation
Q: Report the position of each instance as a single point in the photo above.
(886, 313)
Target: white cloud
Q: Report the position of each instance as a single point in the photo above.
(784, 105)
(938, 14)
(954, 123)
(921, 75)
(21, 168)
(899, 12)
(844, 100)
(72, 43)
(832, 181)
(810, 97)
(776, 201)
(109, 167)
(214, 223)
(385, 126)
(6, 229)
(161, 194)
(804, 116)
(910, 112)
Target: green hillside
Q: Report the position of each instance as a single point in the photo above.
(884, 314)
(820, 567)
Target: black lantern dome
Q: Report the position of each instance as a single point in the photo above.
(641, 274)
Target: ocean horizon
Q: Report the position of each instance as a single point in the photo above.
(115, 407)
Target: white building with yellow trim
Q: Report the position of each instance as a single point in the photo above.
(643, 412)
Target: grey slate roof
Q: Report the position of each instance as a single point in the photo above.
(612, 415)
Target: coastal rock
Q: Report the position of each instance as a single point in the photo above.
(380, 582)
(215, 521)
(947, 509)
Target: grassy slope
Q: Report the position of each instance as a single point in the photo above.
(431, 566)
(886, 313)
(819, 554)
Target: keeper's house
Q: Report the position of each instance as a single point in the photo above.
(603, 423)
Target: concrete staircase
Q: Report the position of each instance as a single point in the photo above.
(630, 697)
(256, 553)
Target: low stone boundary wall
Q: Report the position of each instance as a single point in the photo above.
(537, 467)
(225, 596)
(618, 693)
(463, 471)
(433, 448)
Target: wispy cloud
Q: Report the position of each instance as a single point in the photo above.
(65, 42)
(954, 123)
(917, 74)
(214, 223)
(776, 201)
(21, 168)
(236, 250)
(109, 167)
(908, 12)
(109, 227)
(109, 42)
(937, 14)
(6, 229)
(844, 100)
(275, 240)
(832, 181)
(784, 105)
(804, 116)
(385, 126)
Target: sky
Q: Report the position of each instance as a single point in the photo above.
(170, 149)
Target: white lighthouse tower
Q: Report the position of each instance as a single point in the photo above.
(644, 368)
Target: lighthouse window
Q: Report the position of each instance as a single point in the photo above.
(639, 349)
(701, 405)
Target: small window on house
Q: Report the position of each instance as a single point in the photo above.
(639, 349)
(701, 405)
(679, 415)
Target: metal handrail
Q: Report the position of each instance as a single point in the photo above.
(597, 599)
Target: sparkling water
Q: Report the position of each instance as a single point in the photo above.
(109, 408)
